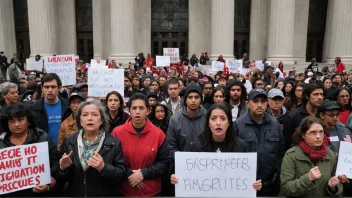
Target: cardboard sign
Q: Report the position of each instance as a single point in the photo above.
(97, 63)
(217, 66)
(344, 165)
(260, 65)
(235, 66)
(162, 61)
(101, 81)
(215, 174)
(31, 64)
(173, 53)
(23, 167)
(64, 66)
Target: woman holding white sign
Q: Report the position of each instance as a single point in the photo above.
(218, 136)
(308, 169)
(92, 160)
(19, 127)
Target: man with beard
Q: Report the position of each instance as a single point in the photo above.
(263, 135)
(207, 100)
(236, 96)
(313, 96)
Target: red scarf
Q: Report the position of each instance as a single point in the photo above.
(315, 155)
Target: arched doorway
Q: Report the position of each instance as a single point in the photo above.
(242, 27)
(84, 27)
(21, 29)
(169, 26)
(316, 29)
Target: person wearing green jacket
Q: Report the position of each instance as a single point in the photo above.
(308, 169)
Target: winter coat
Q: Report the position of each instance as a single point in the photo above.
(41, 117)
(184, 129)
(292, 120)
(282, 115)
(294, 175)
(13, 74)
(267, 140)
(241, 147)
(67, 128)
(348, 123)
(117, 121)
(91, 183)
(147, 152)
(342, 131)
(35, 136)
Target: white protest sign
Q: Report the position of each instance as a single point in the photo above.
(217, 66)
(34, 65)
(97, 63)
(64, 66)
(235, 66)
(259, 64)
(101, 81)
(245, 71)
(26, 166)
(344, 165)
(215, 174)
(162, 61)
(173, 53)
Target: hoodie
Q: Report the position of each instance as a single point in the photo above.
(184, 129)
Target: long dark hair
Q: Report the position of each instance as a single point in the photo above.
(120, 110)
(304, 127)
(283, 88)
(17, 110)
(165, 122)
(336, 93)
(206, 139)
(292, 94)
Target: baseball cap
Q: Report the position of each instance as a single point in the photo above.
(76, 94)
(257, 92)
(275, 93)
(330, 105)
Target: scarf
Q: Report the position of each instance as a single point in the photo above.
(315, 155)
(87, 149)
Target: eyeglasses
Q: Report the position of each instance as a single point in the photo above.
(314, 133)
(48, 87)
(346, 96)
(333, 115)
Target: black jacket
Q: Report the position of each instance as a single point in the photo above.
(292, 120)
(267, 140)
(119, 120)
(92, 183)
(35, 136)
(42, 117)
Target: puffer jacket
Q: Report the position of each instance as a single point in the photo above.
(91, 183)
(35, 136)
(294, 175)
(267, 140)
(184, 129)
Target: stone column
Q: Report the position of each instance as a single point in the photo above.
(300, 31)
(42, 18)
(7, 30)
(199, 28)
(222, 28)
(67, 27)
(98, 28)
(144, 28)
(123, 31)
(258, 27)
(338, 33)
(280, 33)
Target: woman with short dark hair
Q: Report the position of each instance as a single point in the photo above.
(19, 128)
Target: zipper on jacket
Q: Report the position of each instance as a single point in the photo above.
(85, 185)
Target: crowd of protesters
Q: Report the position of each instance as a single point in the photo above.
(125, 146)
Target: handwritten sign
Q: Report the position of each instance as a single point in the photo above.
(344, 165)
(101, 81)
(34, 65)
(173, 53)
(162, 61)
(64, 66)
(97, 63)
(235, 66)
(215, 174)
(23, 167)
(217, 66)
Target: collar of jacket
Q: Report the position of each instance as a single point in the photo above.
(249, 120)
(303, 157)
(71, 121)
(41, 106)
(129, 126)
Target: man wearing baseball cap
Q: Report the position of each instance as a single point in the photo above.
(276, 104)
(263, 134)
(329, 112)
